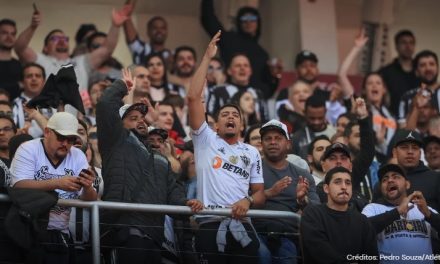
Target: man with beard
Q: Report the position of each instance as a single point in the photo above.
(56, 49)
(422, 110)
(335, 231)
(431, 146)
(426, 68)
(133, 173)
(184, 66)
(287, 188)
(404, 223)
(243, 40)
(399, 76)
(53, 164)
(157, 32)
(142, 84)
(10, 68)
(315, 151)
(239, 73)
(7, 131)
(229, 175)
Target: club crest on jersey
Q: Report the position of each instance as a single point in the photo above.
(245, 160)
(216, 162)
(233, 159)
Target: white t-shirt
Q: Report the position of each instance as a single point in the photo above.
(31, 163)
(224, 171)
(409, 237)
(81, 66)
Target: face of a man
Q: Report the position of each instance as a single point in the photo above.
(83, 138)
(339, 190)
(57, 146)
(315, 118)
(6, 133)
(135, 120)
(97, 42)
(427, 70)
(407, 154)
(8, 35)
(156, 141)
(275, 146)
(33, 81)
(432, 155)
(336, 159)
(6, 110)
(393, 186)
(185, 64)
(229, 123)
(158, 32)
(249, 23)
(166, 117)
(141, 74)
(405, 47)
(57, 46)
(354, 139)
(240, 70)
(308, 71)
(318, 150)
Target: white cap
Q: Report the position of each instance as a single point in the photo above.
(64, 124)
(125, 109)
(275, 124)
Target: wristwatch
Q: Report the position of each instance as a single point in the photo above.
(250, 199)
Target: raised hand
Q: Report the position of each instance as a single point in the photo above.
(36, 19)
(153, 112)
(405, 205)
(212, 46)
(359, 107)
(129, 7)
(302, 188)
(278, 186)
(418, 200)
(422, 98)
(119, 16)
(361, 39)
(128, 79)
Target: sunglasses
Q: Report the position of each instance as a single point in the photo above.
(70, 139)
(58, 38)
(248, 18)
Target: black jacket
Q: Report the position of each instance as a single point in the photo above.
(427, 181)
(233, 42)
(132, 173)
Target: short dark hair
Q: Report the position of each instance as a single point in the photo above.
(330, 173)
(2, 102)
(92, 37)
(7, 21)
(349, 128)
(82, 32)
(14, 126)
(311, 146)
(424, 54)
(219, 60)
(184, 48)
(153, 19)
(236, 55)
(33, 64)
(315, 101)
(223, 107)
(83, 123)
(403, 33)
(349, 115)
(175, 100)
(6, 93)
(46, 39)
(247, 136)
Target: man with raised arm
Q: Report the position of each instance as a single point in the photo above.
(56, 49)
(229, 176)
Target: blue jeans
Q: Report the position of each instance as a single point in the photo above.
(285, 254)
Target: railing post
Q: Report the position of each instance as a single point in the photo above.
(95, 235)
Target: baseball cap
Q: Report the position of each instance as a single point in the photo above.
(64, 124)
(336, 147)
(274, 125)
(430, 139)
(158, 131)
(304, 56)
(390, 167)
(403, 136)
(125, 109)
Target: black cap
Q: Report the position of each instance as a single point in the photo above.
(403, 136)
(430, 139)
(336, 147)
(390, 167)
(159, 131)
(304, 56)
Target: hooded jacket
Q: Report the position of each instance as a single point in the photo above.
(233, 42)
(427, 181)
(132, 172)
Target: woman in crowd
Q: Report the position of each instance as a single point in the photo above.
(246, 102)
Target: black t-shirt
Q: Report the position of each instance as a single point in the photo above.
(10, 75)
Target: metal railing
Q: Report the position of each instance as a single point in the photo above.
(95, 206)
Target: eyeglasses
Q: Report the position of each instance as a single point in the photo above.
(6, 129)
(70, 139)
(248, 18)
(58, 38)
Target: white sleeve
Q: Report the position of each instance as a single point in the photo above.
(137, 46)
(23, 167)
(202, 136)
(369, 211)
(256, 170)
